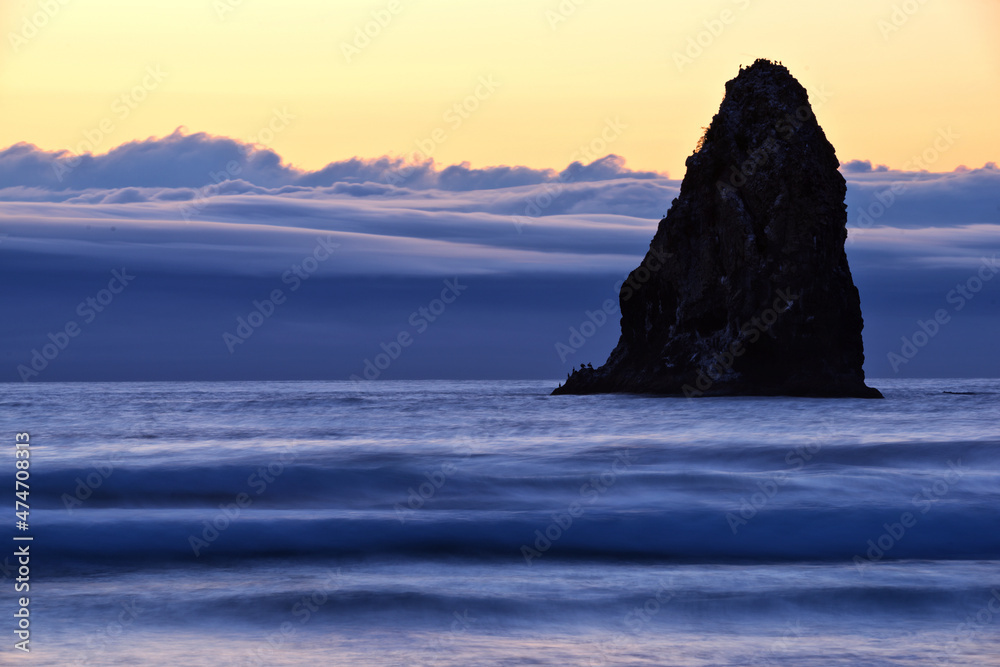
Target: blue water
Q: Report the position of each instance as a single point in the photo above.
(468, 523)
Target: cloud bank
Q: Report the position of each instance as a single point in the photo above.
(211, 224)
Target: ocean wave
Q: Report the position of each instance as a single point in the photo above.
(862, 536)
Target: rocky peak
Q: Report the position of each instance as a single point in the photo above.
(746, 287)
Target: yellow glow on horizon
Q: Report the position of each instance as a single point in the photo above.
(888, 97)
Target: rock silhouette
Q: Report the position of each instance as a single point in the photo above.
(746, 287)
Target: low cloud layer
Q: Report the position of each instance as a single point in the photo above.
(195, 160)
(216, 221)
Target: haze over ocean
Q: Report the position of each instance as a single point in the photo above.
(358, 248)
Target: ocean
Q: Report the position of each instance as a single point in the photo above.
(488, 523)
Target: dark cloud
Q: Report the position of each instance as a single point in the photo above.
(608, 168)
(194, 160)
(923, 199)
(861, 167)
(178, 160)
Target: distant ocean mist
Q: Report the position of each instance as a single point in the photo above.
(537, 249)
(475, 523)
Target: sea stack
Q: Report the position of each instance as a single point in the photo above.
(746, 289)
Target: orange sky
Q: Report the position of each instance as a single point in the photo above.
(533, 80)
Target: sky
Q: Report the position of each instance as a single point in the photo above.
(225, 189)
(561, 68)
